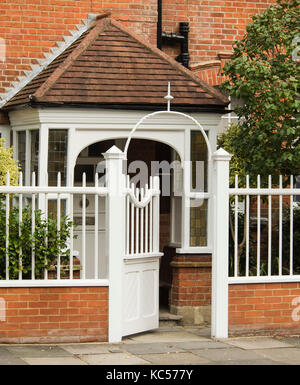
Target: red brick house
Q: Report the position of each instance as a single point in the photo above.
(76, 83)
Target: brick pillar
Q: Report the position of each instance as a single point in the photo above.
(190, 295)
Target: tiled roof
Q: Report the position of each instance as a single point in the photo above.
(109, 65)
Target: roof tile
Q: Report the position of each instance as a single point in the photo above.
(110, 65)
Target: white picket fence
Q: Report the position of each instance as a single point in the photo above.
(140, 223)
(273, 260)
(278, 261)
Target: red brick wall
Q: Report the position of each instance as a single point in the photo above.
(191, 285)
(54, 314)
(264, 308)
(31, 27)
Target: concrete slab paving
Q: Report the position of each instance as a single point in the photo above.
(203, 332)
(11, 360)
(38, 351)
(245, 362)
(90, 348)
(175, 359)
(113, 359)
(153, 348)
(290, 356)
(256, 343)
(293, 341)
(208, 344)
(167, 337)
(233, 354)
(164, 346)
(7, 358)
(54, 361)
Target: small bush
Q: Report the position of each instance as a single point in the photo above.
(46, 242)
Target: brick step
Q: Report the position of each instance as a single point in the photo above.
(168, 319)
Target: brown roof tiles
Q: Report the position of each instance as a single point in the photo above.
(110, 65)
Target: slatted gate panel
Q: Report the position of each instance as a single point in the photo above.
(141, 261)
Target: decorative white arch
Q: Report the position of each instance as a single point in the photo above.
(168, 97)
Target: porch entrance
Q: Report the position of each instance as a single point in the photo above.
(147, 275)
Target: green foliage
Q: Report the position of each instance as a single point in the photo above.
(8, 164)
(47, 242)
(264, 75)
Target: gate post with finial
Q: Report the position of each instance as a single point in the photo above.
(115, 239)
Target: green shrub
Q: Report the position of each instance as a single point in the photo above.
(46, 241)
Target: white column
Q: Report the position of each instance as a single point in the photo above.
(15, 144)
(43, 164)
(115, 239)
(186, 188)
(221, 160)
(28, 158)
(71, 160)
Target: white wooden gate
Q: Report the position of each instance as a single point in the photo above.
(132, 240)
(141, 261)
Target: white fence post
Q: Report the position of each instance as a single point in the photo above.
(115, 239)
(219, 325)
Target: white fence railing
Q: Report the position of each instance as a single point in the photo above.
(262, 247)
(37, 239)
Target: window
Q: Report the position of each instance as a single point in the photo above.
(57, 156)
(199, 183)
(34, 164)
(22, 152)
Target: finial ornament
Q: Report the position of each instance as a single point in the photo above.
(169, 97)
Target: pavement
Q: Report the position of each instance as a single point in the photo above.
(164, 346)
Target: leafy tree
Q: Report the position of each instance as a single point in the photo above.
(8, 164)
(264, 73)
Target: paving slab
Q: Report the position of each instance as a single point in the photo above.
(256, 343)
(193, 345)
(90, 348)
(7, 358)
(167, 337)
(153, 348)
(113, 359)
(294, 341)
(38, 351)
(222, 355)
(290, 356)
(245, 362)
(203, 332)
(54, 361)
(175, 359)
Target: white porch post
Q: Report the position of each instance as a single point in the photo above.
(221, 160)
(115, 239)
(43, 164)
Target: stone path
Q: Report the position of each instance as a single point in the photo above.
(165, 346)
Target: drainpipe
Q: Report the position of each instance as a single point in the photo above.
(159, 24)
(173, 38)
(184, 56)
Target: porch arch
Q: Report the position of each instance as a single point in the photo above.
(81, 139)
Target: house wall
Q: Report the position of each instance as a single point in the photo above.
(264, 308)
(53, 314)
(28, 28)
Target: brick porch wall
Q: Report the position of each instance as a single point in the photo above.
(190, 294)
(266, 308)
(54, 314)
